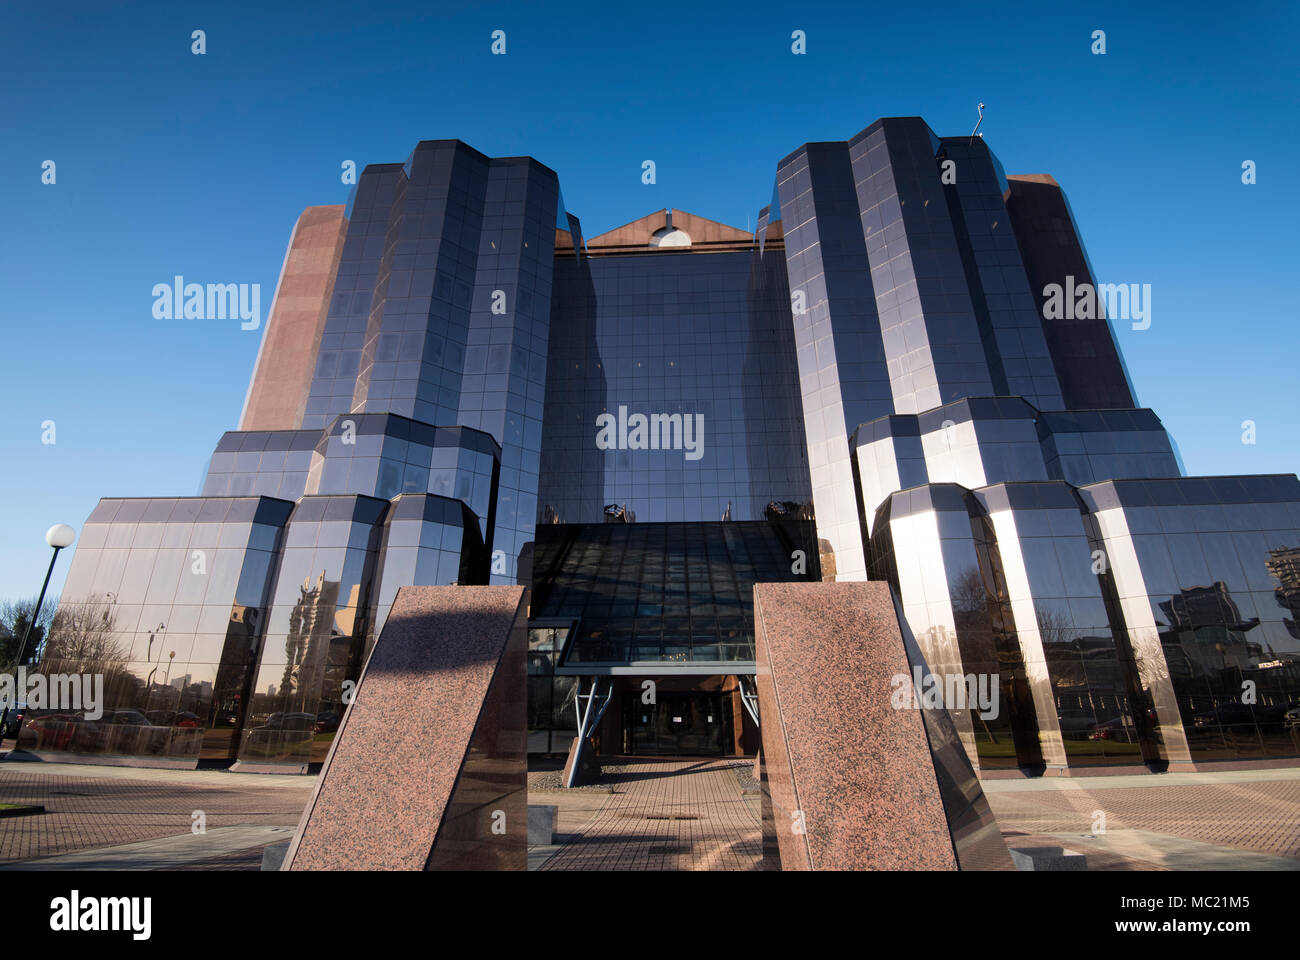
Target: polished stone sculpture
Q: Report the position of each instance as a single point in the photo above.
(428, 770)
(851, 781)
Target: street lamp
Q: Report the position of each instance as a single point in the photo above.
(58, 536)
(148, 682)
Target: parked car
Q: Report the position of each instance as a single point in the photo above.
(326, 722)
(1224, 714)
(1077, 724)
(13, 721)
(53, 731)
(1115, 730)
(284, 727)
(133, 718)
(1291, 719)
(173, 718)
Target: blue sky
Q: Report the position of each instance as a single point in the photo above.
(170, 163)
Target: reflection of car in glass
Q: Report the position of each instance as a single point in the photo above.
(13, 721)
(284, 726)
(69, 730)
(1077, 724)
(54, 730)
(326, 722)
(1116, 730)
(132, 718)
(173, 718)
(1224, 714)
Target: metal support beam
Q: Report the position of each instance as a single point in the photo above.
(590, 708)
(604, 704)
(749, 697)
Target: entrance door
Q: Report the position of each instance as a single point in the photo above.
(688, 724)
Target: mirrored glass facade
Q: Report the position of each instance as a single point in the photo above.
(701, 339)
(670, 593)
(642, 424)
(168, 600)
(1201, 576)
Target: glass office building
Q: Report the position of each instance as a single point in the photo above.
(456, 386)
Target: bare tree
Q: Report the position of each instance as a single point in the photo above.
(1056, 628)
(83, 639)
(14, 617)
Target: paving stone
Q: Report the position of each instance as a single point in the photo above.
(1263, 817)
(85, 812)
(668, 815)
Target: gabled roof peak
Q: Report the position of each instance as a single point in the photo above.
(670, 229)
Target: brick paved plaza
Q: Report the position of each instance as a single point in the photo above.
(90, 807)
(678, 814)
(667, 815)
(692, 815)
(1246, 820)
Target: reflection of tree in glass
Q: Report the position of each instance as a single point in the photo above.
(970, 614)
(1055, 628)
(83, 639)
(1061, 645)
(14, 617)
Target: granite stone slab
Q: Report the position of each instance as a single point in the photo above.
(428, 769)
(849, 781)
(541, 823)
(1039, 859)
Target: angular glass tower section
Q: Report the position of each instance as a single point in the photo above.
(392, 428)
(987, 477)
(456, 386)
(441, 309)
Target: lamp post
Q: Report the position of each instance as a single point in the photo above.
(58, 536)
(148, 682)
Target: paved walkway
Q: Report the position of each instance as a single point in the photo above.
(90, 808)
(185, 850)
(666, 815)
(1239, 820)
(1231, 820)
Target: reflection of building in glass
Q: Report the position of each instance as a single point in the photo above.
(873, 391)
(1206, 629)
(311, 628)
(1284, 564)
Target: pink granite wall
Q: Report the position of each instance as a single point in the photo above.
(850, 782)
(429, 768)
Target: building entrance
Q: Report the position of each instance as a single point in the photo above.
(678, 724)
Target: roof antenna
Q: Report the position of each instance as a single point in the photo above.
(975, 133)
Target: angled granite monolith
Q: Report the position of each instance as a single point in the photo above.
(429, 769)
(849, 781)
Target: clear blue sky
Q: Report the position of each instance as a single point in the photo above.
(170, 163)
